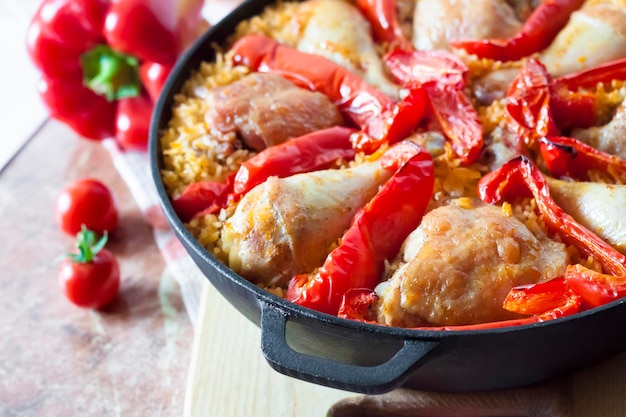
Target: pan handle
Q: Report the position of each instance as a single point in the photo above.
(363, 379)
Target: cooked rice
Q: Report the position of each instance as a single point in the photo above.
(193, 152)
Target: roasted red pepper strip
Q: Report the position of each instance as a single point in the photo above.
(538, 106)
(381, 118)
(202, 197)
(423, 67)
(569, 157)
(519, 177)
(537, 33)
(311, 152)
(555, 296)
(375, 234)
(442, 76)
(528, 111)
(590, 78)
(88, 53)
(356, 304)
(383, 18)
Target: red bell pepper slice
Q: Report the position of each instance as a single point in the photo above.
(590, 78)
(569, 157)
(355, 305)
(520, 177)
(204, 197)
(528, 110)
(383, 18)
(424, 67)
(555, 296)
(382, 119)
(537, 33)
(538, 106)
(310, 152)
(307, 153)
(375, 234)
(442, 76)
(89, 52)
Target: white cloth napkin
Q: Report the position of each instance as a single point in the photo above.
(134, 167)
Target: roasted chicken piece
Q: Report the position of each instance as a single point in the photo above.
(287, 226)
(599, 207)
(337, 31)
(594, 35)
(266, 110)
(609, 138)
(458, 266)
(437, 22)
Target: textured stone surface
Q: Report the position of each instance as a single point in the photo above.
(129, 359)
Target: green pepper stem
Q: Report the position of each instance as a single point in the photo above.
(111, 74)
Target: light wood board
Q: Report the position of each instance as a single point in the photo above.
(228, 376)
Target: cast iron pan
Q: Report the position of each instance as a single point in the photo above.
(371, 359)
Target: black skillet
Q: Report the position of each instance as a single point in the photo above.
(371, 359)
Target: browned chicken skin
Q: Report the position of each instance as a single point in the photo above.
(266, 110)
(459, 264)
(286, 226)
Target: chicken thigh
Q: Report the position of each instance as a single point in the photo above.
(458, 266)
(266, 110)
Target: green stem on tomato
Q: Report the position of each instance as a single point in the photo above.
(111, 74)
(88, 245)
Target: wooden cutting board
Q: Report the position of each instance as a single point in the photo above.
(228, 376)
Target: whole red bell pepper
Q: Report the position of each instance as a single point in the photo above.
(311, 152)
(102, 64)
(572, 158)
(520, 177)
(381, 118)
(441, 76)
(537, 33)
(375, 234)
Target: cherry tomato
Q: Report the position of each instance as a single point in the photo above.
(86, 202)
(90, 278)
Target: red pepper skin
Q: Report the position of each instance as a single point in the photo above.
(555, 295)
(311, 152)
(528, 111)
(356, 304)
(153, 76)
(375, 235)
(569, 157)
(133, 122)
(572, 109)
(519, 177)
(458, 120)
(423, 67)
(307, 153)
(201, 197)
(442, 76)
(131, 27)
(536, 34)
(383, 18)
(590, 78)
(60, 34)
(379, 116)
